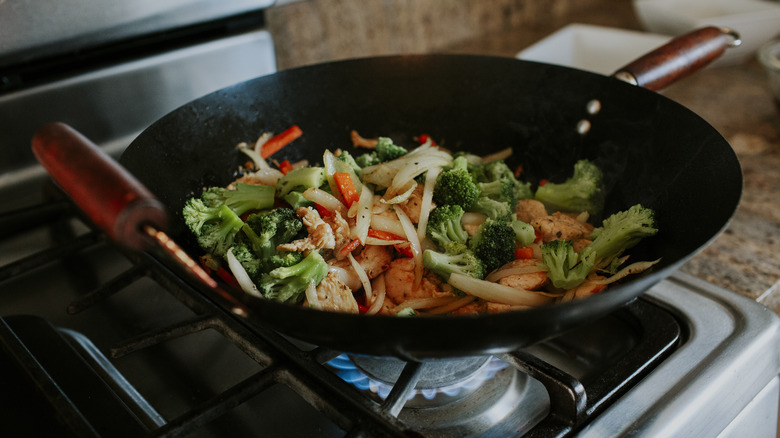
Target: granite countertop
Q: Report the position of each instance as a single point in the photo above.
(735, 99)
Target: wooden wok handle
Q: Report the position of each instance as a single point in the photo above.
(112, 197)
(678, 58)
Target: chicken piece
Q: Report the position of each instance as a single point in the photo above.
(528, 281)
(580, 244)
(472, 308)
(336, 296)
(399, 283)
(413, 205)
(374, 259)
(341, 234)
(529, 209)
(388, 307)
(559, 226)
(491, 307)
(320, 234)
(587, 288)
(262, 177)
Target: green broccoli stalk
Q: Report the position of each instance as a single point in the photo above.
(498, 210)
(296, 200)
(499, 171)
(583, 191)
(494, 244)
(524, 233)
(619, 232)
(444, 225)
(300, 180)
(565, 268)
(244, 198)
(458, 259)
(454, 186)
(214, 227)
(289, 283)
(266, 231)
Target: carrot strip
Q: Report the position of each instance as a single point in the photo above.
(346, 188)
(277, 142)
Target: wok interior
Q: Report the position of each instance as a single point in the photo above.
(653, 151)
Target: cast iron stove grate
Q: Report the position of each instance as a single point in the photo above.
(41, 352)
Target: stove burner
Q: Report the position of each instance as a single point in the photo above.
(444, 379)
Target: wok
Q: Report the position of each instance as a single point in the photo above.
(653, 151)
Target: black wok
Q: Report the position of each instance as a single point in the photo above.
(654, 152)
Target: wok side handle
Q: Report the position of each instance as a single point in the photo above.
(115, 201)
(678, 58)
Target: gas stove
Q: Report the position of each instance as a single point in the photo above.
(97, 341)
(89, 332)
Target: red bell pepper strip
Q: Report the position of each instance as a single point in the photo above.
(348, 248)
(346, 188)
(425, 137)
(324, 212)
(277, 142)
(524, 253)
(285, 166)
(384, 235)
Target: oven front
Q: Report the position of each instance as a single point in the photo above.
(95, 341)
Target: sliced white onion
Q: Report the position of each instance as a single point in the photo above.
(347, 277)
(473, 218)
(387, 223)
(361, 273)
(425, 303)
(498, 293)
(268, 177)
(427, 201)
(260, 163)
(379, 297)
(454, 305)
(311, 296)
(246, 283)
(497, 156)
(634, 268)
(399, 198)
(517, 270)
(363, 215)
(325, 199)
(414, 242)
(382, 242)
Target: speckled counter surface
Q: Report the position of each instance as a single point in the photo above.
(734, 99)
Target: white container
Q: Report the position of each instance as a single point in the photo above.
(757, 21)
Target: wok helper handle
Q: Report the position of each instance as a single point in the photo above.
(678, 58)
(112, 197)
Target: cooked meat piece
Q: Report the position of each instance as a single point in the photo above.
(399, 283)
(528, 281)
(529, 209)
(412, 205)
(559, 226)
(320, 234)
(336, 296)
(341, 233)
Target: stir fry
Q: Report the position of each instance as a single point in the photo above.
(419, 231)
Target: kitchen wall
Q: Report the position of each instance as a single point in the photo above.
(311, 31)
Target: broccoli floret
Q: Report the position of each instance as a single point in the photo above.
(296, 200)
(266, 231)
(387, 151)
(444, 225)
(494, 243)
(288, 283)
(458, 259)
(499, 171)
(500, 190)
(524, 233)
(214, 227)
(454, 186)
(565, 268)
(244, 198)
(498, 210)
(248, 259)
(583, 191)
(300, 180)
(346, 157)
(619, 232)
(367, 159)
